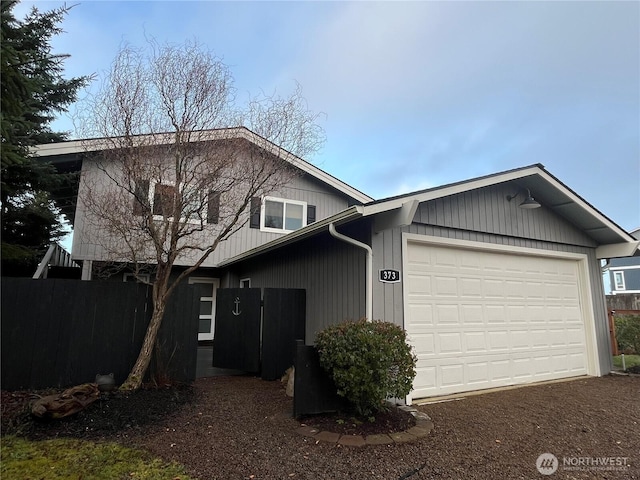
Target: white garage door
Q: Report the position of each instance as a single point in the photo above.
(482, 319)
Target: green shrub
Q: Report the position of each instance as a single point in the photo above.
(628, 333)
(368, 361)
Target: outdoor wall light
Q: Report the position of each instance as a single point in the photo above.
(527, 203)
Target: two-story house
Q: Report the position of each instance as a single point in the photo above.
(496, 279)
(308, 196)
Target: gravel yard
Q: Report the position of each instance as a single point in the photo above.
(242, 428)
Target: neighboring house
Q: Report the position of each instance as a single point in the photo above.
(623, 274)
(493, 287)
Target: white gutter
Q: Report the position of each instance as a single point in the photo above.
(369, 270)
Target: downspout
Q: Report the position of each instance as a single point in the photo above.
(369, 269)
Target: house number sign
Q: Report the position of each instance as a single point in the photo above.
(389, 276)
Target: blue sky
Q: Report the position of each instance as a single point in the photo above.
(420, 94)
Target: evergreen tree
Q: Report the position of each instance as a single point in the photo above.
(33, 92)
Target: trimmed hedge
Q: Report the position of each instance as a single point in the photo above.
(368, 362)
(628, 332)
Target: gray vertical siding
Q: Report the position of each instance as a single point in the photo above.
(486, 210)
(327, 200)
(332, 272)
(485, 216)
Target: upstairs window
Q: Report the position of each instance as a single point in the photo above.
(163, 196)
(618, 280)
(158, 199)
(281, 216)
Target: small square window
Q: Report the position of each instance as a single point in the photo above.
(273, 214)
(293, 217)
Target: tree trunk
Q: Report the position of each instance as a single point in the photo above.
(137, 373)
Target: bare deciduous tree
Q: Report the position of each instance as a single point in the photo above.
(175, 164)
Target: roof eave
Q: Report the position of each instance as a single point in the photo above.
(623, 239)
(344, 216)
(97, 144)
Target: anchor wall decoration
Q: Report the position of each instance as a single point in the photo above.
(236, 311)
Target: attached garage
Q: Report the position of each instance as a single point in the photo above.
(493, 287)
(482, 316)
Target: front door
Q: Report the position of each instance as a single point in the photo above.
(206, 290)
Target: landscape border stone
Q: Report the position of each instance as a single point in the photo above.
(422, 428)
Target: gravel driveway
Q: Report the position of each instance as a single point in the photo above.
(240, 427)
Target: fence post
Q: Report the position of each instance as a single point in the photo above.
(612, 333)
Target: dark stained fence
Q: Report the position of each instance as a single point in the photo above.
(255, 333)
(176, 356)
(283, 322)
(236, 341)
(57, 333)
(314, 390)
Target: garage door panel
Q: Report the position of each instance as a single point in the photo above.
(482, 319)
(448, 343)
(471, 314)
(421, 315)
(477, 373)
(499, 341)
(558, 337)
(452, 375)
(516, 313)
(475, 342)
(419, 285)
(447, 315)
(445, 286)
(540, 337)
(495, 314)
(426, 377)
(500, 372)
(471, 287)
(426, 341)
(493, 288)
(575, 336)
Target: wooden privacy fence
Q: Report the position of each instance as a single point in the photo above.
(57, 333)
(612, 327)
(256, 330)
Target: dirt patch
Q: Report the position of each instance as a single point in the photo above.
(242, 427)
(114, 414)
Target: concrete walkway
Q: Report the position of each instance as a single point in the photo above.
(204, 368)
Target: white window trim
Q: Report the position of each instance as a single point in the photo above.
(152, 192)
(285, 201)
(615, 280)
(215, 284)
(245, 283)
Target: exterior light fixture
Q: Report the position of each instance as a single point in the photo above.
(528, 202)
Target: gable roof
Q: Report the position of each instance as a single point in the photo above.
(76, 147)
(613, 240)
